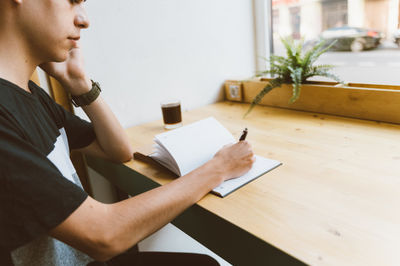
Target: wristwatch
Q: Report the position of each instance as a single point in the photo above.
(87, 98)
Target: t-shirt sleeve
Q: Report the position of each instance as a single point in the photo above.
(80, 133)
(34, 195)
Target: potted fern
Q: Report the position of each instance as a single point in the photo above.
(295, 69)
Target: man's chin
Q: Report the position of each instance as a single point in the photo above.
(60, 57)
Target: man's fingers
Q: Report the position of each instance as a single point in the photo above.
(75, 52)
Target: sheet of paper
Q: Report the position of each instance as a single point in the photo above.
(261, 166)
(193, 145)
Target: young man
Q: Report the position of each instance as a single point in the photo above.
(45, 216)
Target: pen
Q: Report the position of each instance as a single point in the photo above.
(244, 134)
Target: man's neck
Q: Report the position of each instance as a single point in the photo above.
(17, 63)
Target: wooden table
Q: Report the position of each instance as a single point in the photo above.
(334, 201)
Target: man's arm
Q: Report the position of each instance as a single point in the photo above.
(111, 139)
(106, 230)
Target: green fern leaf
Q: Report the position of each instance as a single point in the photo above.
(290, 50)
(327, 75)
(324, 67)
(296, 75)
(320, 52)
(271, 85)
(311, 53)
(295, 93)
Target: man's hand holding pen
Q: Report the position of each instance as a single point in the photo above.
(235, 159)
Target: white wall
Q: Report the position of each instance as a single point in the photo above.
(144, 51)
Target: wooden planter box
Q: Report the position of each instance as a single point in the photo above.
(364, 101)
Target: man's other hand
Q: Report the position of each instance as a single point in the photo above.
(70, 73)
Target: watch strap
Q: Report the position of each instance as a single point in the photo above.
(87, 98)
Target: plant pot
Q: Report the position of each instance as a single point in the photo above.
(354, 100)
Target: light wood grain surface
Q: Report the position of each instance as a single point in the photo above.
(373, 102)
(334, 201)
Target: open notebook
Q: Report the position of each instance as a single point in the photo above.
(186, 148)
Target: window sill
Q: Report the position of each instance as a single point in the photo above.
(355, 100)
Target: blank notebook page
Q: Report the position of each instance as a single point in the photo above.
(195, 144)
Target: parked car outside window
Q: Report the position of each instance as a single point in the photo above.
(349, 38)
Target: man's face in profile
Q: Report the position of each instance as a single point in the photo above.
(52, 27)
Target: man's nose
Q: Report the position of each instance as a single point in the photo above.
(81, 19)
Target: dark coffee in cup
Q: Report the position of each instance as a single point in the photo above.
(172, 115)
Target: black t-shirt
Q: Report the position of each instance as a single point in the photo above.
(36, 192)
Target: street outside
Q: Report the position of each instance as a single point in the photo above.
(379, 66)
(376, 66)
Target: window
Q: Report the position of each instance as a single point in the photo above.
(367, 47)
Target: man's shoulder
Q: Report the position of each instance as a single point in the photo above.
(9, 89)
(19, 107)
(13, 97)
(8, 102)
(6, 90)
